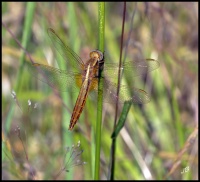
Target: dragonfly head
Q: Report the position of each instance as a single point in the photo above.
(96, 54)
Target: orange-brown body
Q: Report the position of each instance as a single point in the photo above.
(88, 83)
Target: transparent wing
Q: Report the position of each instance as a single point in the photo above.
(58, 79)
(134, 95)
(70, 57)
(132, 68)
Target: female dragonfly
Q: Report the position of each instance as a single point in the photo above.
(84, 77)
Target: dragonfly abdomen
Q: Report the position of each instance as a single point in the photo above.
(80, 103)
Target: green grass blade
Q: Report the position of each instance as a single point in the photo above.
(122, 119)
(101, 25)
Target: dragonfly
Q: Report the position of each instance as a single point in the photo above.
(83, 76)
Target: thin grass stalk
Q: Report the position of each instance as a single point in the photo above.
(127, 105)
(113, 145)
(25, 39)
(101, 25)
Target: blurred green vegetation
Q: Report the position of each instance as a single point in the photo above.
(154, 133)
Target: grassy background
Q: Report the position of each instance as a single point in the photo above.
(156, 136)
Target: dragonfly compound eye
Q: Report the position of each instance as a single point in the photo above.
(96, 54)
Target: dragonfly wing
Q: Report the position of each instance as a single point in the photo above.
(132, 68)
(140, 67)
(68, 54)
(133, 95)
(58, 79)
